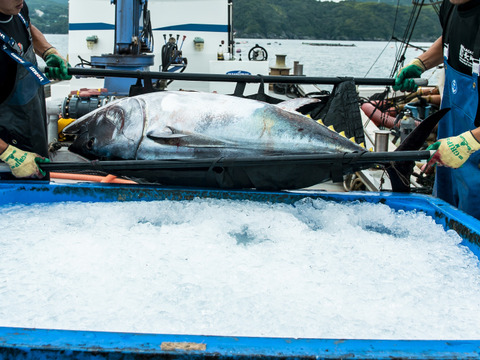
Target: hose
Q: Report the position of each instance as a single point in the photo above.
(112, 179)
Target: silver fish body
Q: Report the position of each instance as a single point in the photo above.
(193, 125)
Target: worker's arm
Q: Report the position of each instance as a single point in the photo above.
(40, 43)
(434, 55)
(476, 133)
(3, 146)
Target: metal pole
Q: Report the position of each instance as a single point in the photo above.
(227, 78)
(317, 159)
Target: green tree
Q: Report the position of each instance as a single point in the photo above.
(49, 16)
(346, 20)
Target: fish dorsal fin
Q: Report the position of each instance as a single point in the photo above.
(172, 136)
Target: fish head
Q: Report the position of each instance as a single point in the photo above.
(112, 131)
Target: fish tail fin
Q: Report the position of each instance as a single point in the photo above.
(400, 172)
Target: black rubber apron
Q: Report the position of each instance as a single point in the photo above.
(23, 114)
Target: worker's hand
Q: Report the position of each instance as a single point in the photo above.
(453, 151)
(404, 80)
(23, 164)
(57, 67)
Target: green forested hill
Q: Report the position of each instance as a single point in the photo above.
(389, 2)
(50, 16)
(292, 19)
(346, 20)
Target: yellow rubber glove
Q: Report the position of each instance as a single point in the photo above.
(453, 151)
(23, 164)
(404, 80)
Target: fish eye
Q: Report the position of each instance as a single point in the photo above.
(90, 143)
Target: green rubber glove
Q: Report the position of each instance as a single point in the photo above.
(57, 68)
(23, 164)
(404, 80)
(453, 151)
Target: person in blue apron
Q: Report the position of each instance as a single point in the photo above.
(457, 179)
(23, 133)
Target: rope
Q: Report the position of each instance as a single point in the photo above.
(378, 57)
(407, 36)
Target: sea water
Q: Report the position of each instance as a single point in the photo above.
(314, 269)
(371, 59)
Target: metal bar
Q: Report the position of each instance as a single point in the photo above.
(322, 159)
(228, 78)
(65, 344)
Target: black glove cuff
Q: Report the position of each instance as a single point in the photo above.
(47, 52)
(474, 137)
(423, 64)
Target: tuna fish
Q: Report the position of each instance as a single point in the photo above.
(194, 125)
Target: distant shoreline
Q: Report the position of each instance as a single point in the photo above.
(327, 44)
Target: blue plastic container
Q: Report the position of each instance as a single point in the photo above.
(414, 110)
(65, 344)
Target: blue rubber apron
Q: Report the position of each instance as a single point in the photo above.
(22, 114)
(460, 187)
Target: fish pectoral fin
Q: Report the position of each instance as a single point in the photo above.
(165, 134)
(178, 138)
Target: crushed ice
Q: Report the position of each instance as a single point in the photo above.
(314, 269)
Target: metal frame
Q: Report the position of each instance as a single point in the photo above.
(65, 344)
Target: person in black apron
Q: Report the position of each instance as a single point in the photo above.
(457, 181)
(23, 132)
